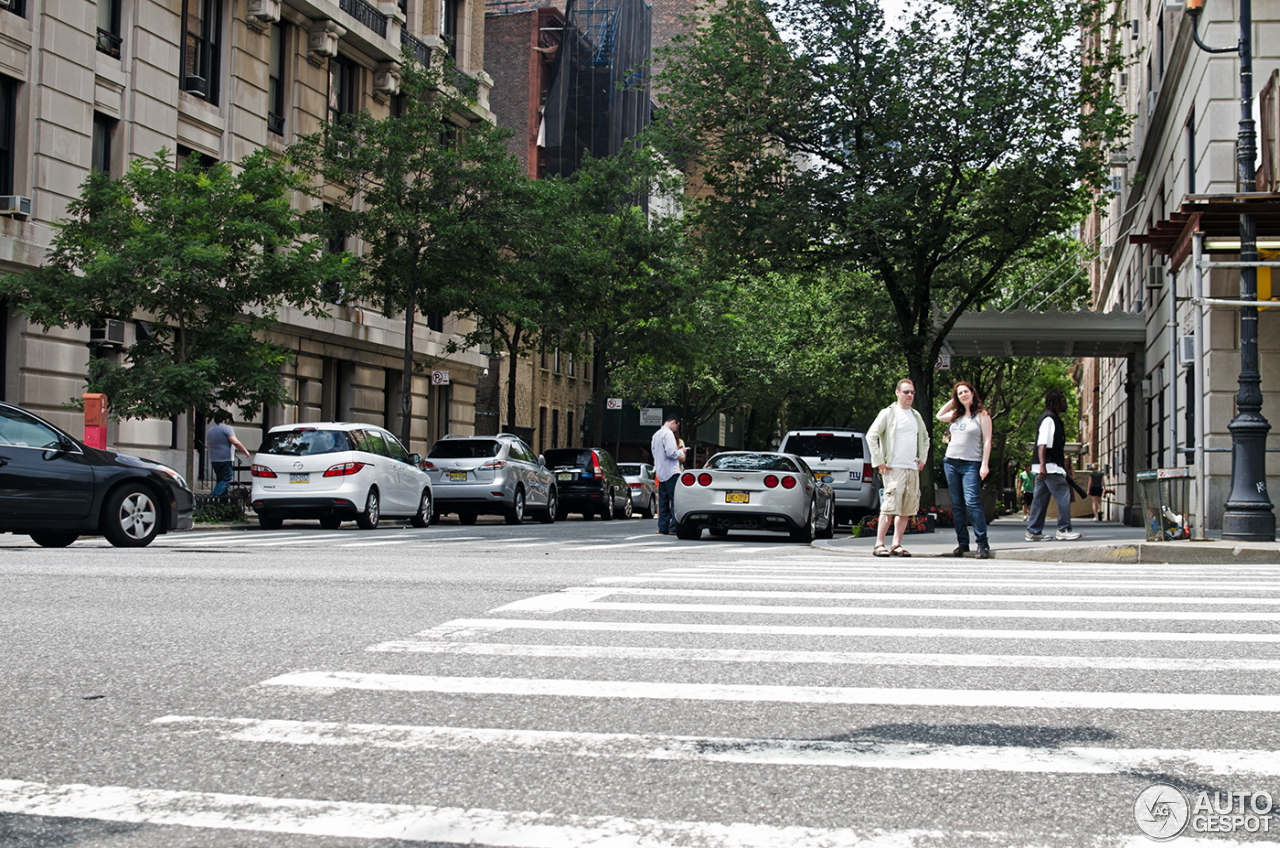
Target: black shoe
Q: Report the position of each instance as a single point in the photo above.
(984, 551)
(960, 551)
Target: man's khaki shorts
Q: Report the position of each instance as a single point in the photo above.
(901, 492)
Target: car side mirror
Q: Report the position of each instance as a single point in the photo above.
(415, 459)
(542, 461)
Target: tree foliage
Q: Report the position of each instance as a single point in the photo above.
(932, 155)
(433, 202)
(205, 256)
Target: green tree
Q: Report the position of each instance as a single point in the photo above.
(205, 256)
(433, 203)
(930, 155)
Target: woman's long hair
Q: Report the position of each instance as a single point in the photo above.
(974, 408)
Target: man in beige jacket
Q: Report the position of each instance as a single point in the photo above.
(899, 442)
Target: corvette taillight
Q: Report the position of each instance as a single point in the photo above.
(688, 479)
(704, 479)
(261, 471)
(344, 469)
(771, 482)
(788, 482)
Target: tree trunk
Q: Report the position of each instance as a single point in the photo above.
(406, 379)
(190, 471)
(597, 396)
(922, 377)
(513, 344)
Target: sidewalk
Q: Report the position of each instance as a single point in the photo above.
(1102, 541)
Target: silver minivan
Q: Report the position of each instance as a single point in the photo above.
(493, 475)
(844, 455)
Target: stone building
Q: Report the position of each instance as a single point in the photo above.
(85, 86)
(1177, 177)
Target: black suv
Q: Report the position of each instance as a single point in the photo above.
(589, 482)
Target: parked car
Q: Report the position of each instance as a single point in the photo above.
(55, 488)
(761, 490)
(589, 483)
(644, 491)
(334, 472)
(844, 456)
(497, 475)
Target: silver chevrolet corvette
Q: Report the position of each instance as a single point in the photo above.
(759, 490)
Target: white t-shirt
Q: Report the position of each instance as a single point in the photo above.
(1045, 437)
(904, 439)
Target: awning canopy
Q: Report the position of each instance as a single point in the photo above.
(1051, 333)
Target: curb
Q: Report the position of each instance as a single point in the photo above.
(1172, 553)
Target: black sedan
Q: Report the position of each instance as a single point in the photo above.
(55, 488)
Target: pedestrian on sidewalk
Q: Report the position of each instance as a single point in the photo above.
(899, 443)
(967, 464)
(222, 444)
(1097, 488)
(1051, 471)
(667, 456)
(1026, 485)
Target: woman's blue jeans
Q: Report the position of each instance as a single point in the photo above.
(964, 480)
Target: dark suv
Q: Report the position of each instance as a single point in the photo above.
(589, 482)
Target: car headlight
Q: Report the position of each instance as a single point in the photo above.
(182, 481)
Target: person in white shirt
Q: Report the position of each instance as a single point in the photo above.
(899, 442)
(1051, 473)
(667, 456)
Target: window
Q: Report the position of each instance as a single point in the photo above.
(435, 321)
(569, 356)
(555, 428)
(275, 81)
(103, 129)
(555, 362)
(569, 435)
(336, 243)
(449, 26)
(18, 7)
(204, 160)
(8, 132)
(1191, 152)
(344, 81)
(109, 39)
(201, 48)
(542, 429)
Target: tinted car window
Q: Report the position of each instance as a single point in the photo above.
(607, 462)
(18, 429)
(305, 442)
(394, 449)
(751, 462)
(630, 470)
(464, 449)
(836, 445)
(562, 457)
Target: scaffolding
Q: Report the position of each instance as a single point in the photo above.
(599, 98)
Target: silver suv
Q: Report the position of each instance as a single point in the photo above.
(493, 475)
(845, 456)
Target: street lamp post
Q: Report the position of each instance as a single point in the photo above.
(1249, 514)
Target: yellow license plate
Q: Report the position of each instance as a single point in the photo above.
(737, 497)
(457, 476)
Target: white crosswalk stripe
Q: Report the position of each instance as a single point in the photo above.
(1067, 643)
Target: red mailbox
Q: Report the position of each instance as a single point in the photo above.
(95, 420)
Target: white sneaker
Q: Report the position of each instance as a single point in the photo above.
(1066, 535)
(1033, 537)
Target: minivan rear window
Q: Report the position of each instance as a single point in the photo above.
(464, 449)
(834, 445)
(630, 470)
(568, 457)
(305, 442)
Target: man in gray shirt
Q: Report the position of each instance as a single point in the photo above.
(222, 444)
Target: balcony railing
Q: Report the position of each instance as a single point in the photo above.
(420, 50)
(365, 14)
(109, 43)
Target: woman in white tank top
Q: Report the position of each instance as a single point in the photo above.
(966, 464)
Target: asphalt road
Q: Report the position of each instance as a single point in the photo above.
(593, 684)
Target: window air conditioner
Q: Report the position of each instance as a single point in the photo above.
(108, 334)
(198, 86)
(1124, 80)
(1155, 277)
(1117, 184)
(15, 205)
(1186, 350)
(1133, 25)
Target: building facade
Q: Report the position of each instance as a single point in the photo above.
(87, 86)
(1171, 181)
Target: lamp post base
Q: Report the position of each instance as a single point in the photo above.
(1248, 515)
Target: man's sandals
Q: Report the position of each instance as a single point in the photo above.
(896, 550)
